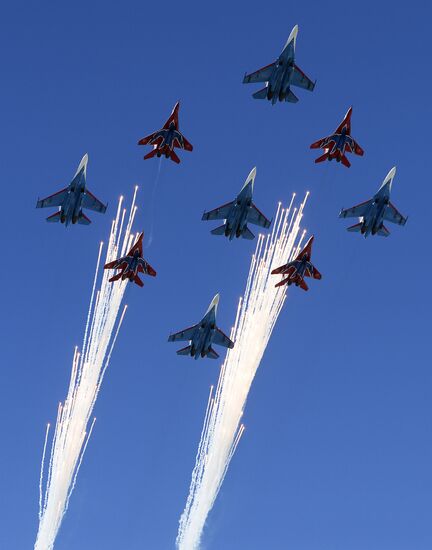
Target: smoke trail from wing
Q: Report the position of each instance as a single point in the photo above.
(257, 314)
(73, 427)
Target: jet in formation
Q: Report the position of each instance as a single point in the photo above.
(281, 75)
(339, 143)
(294, 272)
(131, 265)
(375, 211)
(73, 199)
(202, 335)
(165, 140)
(238, 213)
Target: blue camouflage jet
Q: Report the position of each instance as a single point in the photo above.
(281, 75)
(73, 199)
(375, 211)
(238, 213)
(202, 335)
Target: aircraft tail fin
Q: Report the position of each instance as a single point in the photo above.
(56, 217)
(355, 228)
(185, 351)
(383, 231)
(247, 234)
(219, 230)
(261, 94)
(211, 354)
(83, 220)
(291, 97)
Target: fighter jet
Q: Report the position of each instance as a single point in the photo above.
(202, 335)
(238, 214)
(297, 270)
(281, 75)
(375, 211)
(165, 140)
(339, 143)
(131, 264)
(73, 199)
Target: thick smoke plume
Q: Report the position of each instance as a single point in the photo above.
(257, 314)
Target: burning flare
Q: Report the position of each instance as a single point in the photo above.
(73, 427)
(257, 314)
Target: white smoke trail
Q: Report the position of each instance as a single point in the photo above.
(257, 314)
(72, 431)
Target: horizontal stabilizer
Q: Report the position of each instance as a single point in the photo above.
(83, 220)
(151, 154)
(247, 234)
(291, 97)
(282, 283)
(261, 94)
(174, 157)
(185, 351)
(115, 277)
(219, 230)
(322, 158)
(345, 161)
(383, 231)
(211, 354)
(355, 228)
(138, 281)
(54, 217)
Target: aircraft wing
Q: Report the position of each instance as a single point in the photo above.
(354, 147)
(301, 80)
(221, 339)
(357, 211)
(393, 215)
(183, 335)
(92, 203)
(53, 200)
(256, 217)
(187, 144)
(220, 213)
(261, 75)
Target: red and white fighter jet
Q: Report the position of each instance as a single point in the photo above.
(294, 272)
(167, 138)
(339, 143)
(131, 264)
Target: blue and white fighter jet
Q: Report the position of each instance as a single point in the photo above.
(202, 335)
(72, 199)
(281, 75)
(375, 211)
(238, 213)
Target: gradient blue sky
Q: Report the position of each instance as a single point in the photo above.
(337, 453)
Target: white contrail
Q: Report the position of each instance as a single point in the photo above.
(72, 431)
(257, 313)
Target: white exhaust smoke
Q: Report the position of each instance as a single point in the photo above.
(257, 314)
(73, 427)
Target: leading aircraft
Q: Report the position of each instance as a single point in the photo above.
(202, 335)
(339, 143)
(131, 264)
(375, 211)
(294, 272)
(281, 75)
(238, 213)
(72, 199)
(167, 138)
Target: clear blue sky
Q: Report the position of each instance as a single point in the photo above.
(337, 454)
